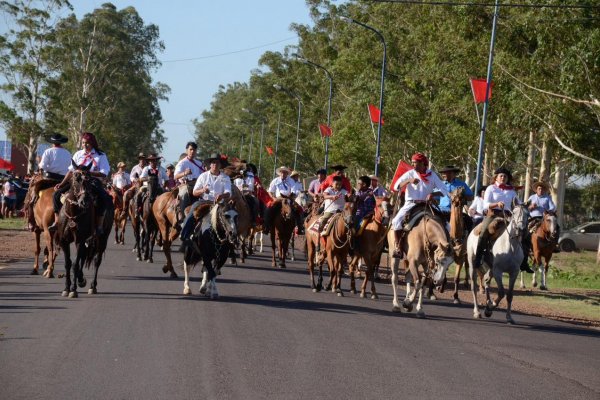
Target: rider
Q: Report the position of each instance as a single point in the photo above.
(120, 179)
(282, 186)
(313, 188)
(295, 176)
(420, 182)
(212, 186)
(53, 165)
(247, 185)
(335, 200)
(187, 170)
(89, 155)
(365, 201)
(338, 170)
(170, 183)
(497, 197)
(452, 183)
(378, 191)
(539, 203)
(476, 210)
(152, 169)
(139, 167)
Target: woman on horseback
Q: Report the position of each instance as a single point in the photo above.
(89, 155)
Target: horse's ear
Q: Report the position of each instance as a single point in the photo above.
(86, 168)
(515, 203)
(75, 166)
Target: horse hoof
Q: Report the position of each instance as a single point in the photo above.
(34, 272)
(73, 295)
(522, 286)
(314, 290)
(407, 307)
(339, 293)
(488, 312)
(138, 258)
(396, 309)
(362, 295)
(64, 293)
(456, 301)
(420, 314)
(116, 242)
(433, 297)
(203, 290)
(477, 315)
(150, 261)
(82, 283)
(510, 321)
(187, 291)
(543, 288)
(92, 291)
(374, 296)
(174, 275)
(534, 284)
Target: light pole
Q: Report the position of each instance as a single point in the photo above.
(297, 97)
(276, 143)
(382, 84)
(262, 134)
(242, 136)
(305, 61)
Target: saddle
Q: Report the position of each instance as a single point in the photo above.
(416, 213)
(328, 225)
(363, 224)
(495, 228)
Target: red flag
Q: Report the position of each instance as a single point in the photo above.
(374, 113)
(400, 170)
(478, 86)
(325, 130)
(269, 150)
(261, 193)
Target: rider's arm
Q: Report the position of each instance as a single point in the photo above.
(199, 187)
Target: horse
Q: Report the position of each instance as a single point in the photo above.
(428, 246)
(148, 221)
(282, 228)
(370, 246)
(76, 224)
(43, 214)
(120, 217)
(214, 237)
(135, 210)
(507, 255)
(244, 222)
(336, 247)
(543, 241)
(165, 209)
(303, 200)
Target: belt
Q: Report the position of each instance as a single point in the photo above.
(52, 175)
(417, 201)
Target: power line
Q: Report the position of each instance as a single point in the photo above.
(517, 5)
(229, 52)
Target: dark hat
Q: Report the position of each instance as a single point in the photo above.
(57, 138)
(505, 171)
(141, 155)
(449, 168)
(338, 167)
(252, 167)
(153, 157)
(222, 159)
(322, 171)
(542, 184)
(170, 166)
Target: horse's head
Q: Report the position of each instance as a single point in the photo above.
(153, 186)
(458, 196)
(286, 208)
(348, 212)
(518, 222)
(80, 184)
(443, 256)
(383, 210)
(228, 220)
(550, 225)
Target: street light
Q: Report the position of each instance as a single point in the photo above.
(262, 134)
(305, 61)
(381, 91)
(294, 95)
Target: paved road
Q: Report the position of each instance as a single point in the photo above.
(270, 337)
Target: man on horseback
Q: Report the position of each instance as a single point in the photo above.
(496, 199)
(365, 206)
(335, 200)
(120, 179)
(247, 186)
(338, 170)
(90, 155)
(539, 203)
(212, 186)
(420, 183)
(170, 183)
(314, 187)
(378, 191)
(283, 187)
(452, 183)
(152, 169)
(187, 170)
(476, 209)
(136, 171)
(54, 165)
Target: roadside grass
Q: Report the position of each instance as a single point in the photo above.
(12, 223)
(576, 304)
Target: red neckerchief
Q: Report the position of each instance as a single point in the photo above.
(87, 158)
(505, 187)
(424, 176)
(154, 171)
(196, 164)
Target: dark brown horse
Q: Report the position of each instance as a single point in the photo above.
(165, 209)
(543, 241)
(76, 223)
(120, 217)
(148, 220)
(282, 228)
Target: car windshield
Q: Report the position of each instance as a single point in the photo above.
(579, 227)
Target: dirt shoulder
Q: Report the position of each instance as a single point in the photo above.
(15, 245)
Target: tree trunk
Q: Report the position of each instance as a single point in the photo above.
(558, 194)
(486, 168)
(529, 171)
(32, 154)
(545, 163)
(598, 254)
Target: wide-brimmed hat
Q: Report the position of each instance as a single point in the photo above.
(504, 171)
(449, 168)
(338, 167)
(542, 184)
(57, 138)
(141, 155)
(322, 171)
(217, 157)
(295, 173)
(371, 177)
(121, 164)
(153, 157)
(283, 168)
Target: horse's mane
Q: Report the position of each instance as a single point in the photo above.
(234, 171)
(214, 217)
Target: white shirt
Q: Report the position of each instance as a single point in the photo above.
(493, 194)
(420, 191)
(477, 205)
(281, 187)
(121, 180)
(99, 161)
(298, 186)
(217, 184)
(335, 205)
(246, 183)
(162, 175)
(195, 166)
(136, 172)
(56, 160)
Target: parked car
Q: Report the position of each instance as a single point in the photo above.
(584, 236)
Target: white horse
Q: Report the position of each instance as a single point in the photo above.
(507, 257)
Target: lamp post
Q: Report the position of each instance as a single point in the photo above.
(382, 84)
(294, 95)
(305, 61)
(262, 134)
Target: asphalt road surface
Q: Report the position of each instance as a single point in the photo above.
(270, 337)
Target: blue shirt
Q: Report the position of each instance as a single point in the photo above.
(543, 203)
(445, 201)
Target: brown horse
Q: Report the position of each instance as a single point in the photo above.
(370, 246)
(165, 209)
(120, 217)
(43, 213)
(243, 223)
(282, 228)
(135, 215)
(543, 241)
(428, 246)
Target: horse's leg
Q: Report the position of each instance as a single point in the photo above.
(311, 266)
(49, 254)
(544, 269)
(457, 281)
(411, 294)
(394, 269)
(293, 247)
(36, 252)
(261, 241)
(430, 287)
(330, 263)
(340, 274)
(67, 252)
(116, 217)
(363, 287)
(351, 268)
(94, 285)
(152, 237)
(170, 237)
(283, 249)
(77, 269)
(371, 273)
(419, 289)
(473, 276)
(186, 280)
(273, 240)
(509, 295)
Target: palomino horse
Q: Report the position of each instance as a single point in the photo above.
(120, 217)
(543, 241)
(335, 245)
(282, 227)
(428, 246)
(244, 222)
(165, 209)
(135, 215)
(214, 237)
(148, 221)
(76, 224)
(507, 255)
(370, 246)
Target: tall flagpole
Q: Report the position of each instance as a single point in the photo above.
(486, 104)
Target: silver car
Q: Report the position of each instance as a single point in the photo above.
(584, 236)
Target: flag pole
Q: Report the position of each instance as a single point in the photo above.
(486, 104)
